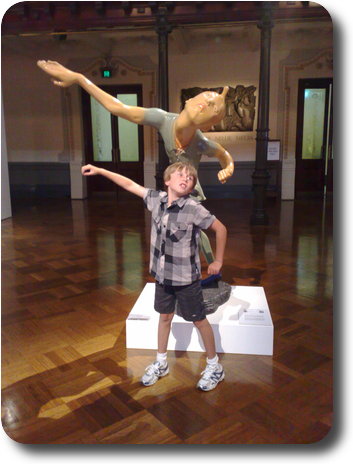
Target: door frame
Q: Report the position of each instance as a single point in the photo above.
(128, 169)
(319, 182)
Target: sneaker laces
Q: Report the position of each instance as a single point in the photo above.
(208, 372)
(153, 368)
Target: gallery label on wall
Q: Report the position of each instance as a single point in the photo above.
(273, 150)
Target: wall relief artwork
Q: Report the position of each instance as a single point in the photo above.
(240, 107)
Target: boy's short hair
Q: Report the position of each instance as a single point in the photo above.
(179, 166)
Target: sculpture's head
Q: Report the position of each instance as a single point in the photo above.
(206, 109)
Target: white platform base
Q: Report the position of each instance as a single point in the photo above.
(242, 325)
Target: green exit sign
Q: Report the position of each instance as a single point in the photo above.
(106, 72)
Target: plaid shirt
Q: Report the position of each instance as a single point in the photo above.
(175, 233)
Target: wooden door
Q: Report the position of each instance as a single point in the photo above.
(111, 142)
(314, 156)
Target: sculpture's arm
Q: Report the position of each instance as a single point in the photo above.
(226, 162)
(64, 77)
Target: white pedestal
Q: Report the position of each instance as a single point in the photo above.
(242, 325)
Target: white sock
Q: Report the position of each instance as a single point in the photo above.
(162, 358)
(213, 360)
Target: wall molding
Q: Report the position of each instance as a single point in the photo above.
(240, 184)
(54, 180)
(39, 180)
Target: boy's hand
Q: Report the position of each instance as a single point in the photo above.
(214, 267)
(89, 170)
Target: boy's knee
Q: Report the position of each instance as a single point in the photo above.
(201, 323)
(166, 318)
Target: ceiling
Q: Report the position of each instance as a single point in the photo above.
(38, 18)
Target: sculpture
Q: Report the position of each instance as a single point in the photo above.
(181, 133)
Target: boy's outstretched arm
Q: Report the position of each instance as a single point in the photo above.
(221, 239)
(122, 181)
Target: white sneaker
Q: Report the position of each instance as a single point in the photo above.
(211, 376)
(153, 372)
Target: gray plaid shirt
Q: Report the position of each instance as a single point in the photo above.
(175, 233)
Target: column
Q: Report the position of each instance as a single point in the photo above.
(163, 28)
(6, 209)
(261, 175)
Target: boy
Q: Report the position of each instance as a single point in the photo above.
(175, 263)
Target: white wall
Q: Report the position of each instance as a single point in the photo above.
(6, 211)
(35, 112)
(34, 125)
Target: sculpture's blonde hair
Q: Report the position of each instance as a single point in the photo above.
(179, 166)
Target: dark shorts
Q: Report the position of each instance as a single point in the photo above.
(189, 297)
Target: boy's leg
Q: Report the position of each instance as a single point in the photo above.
(214, 373)
(191, 306)
(164, 303)
(159, 368)
(165, 322)
(206, 332)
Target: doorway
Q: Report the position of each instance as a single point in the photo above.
(111, 142)
(314, 154)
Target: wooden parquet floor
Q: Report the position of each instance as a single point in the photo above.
(71, 272)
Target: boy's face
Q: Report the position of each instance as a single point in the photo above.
(180, 182)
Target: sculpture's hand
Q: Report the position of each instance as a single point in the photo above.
(225, 174)
(62, 76)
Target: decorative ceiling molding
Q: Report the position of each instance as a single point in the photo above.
(67, 17)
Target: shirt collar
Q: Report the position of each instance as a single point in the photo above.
(180, 201)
